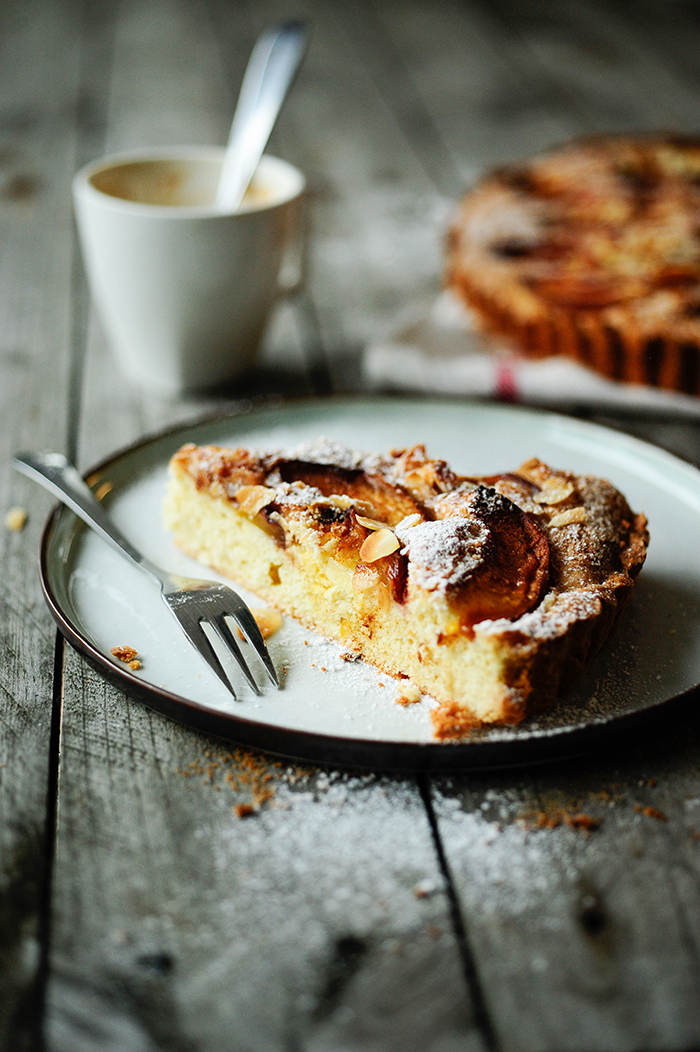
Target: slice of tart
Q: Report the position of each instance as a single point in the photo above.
(489, 594)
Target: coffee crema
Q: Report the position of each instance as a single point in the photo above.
(175, 184)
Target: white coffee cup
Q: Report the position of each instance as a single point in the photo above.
(184, 292)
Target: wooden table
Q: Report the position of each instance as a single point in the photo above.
(353, 910)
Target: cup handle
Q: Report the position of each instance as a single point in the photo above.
(292, 270)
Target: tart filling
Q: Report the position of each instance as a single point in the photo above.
(490, 594)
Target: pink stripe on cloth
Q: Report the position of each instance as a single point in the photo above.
(506, 383)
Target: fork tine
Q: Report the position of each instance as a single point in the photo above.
(226, 636)
(249, 626)
(199, 641)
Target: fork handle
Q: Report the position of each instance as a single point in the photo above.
(59, 477)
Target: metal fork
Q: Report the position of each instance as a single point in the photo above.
(191, 601)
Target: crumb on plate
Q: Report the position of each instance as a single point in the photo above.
(410, 695)
(127, 655)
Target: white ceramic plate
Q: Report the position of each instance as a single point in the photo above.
(341, 712)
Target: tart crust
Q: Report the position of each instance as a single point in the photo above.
(490, 594)
(590, 251)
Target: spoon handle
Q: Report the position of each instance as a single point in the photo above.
(268, 77)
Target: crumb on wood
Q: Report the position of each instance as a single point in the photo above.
(243, 772)
(244, 810)
(424, 888)
(651, 812)
(543, 820)
(575, 820)
(21, 187)
(582, 821)
(15, 519)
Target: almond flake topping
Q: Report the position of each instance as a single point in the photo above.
(267, 619)
(371, 524)
(253, 498)
(380, 543)
(569, 517)
(554, 491)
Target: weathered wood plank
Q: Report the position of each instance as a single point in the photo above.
(38, 105)
(585, 940)
(486, 104)
(501, 80)
(606, 68)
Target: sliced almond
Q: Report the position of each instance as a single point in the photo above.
(371, 524)
(340, 500)
(378, 545)
(569, 517)
(363, 507)
(422, 480)
(103, 490)
(411, 520)
(252, 498)
(267, 619)
(554, 491)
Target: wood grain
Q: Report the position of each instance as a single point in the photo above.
(204, 898)
(585, 939)
(37, 152)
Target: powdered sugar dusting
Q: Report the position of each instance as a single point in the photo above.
(443, 554)
(328, 453)
(288, 494)
(550, 619)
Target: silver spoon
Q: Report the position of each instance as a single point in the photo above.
(271, 68)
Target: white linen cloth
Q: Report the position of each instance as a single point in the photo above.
(440, 351)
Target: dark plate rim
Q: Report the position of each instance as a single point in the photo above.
(315, 747)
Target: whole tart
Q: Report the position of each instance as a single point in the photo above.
(489, 594)
(591, 251)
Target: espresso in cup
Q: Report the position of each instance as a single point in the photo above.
(173, 183)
